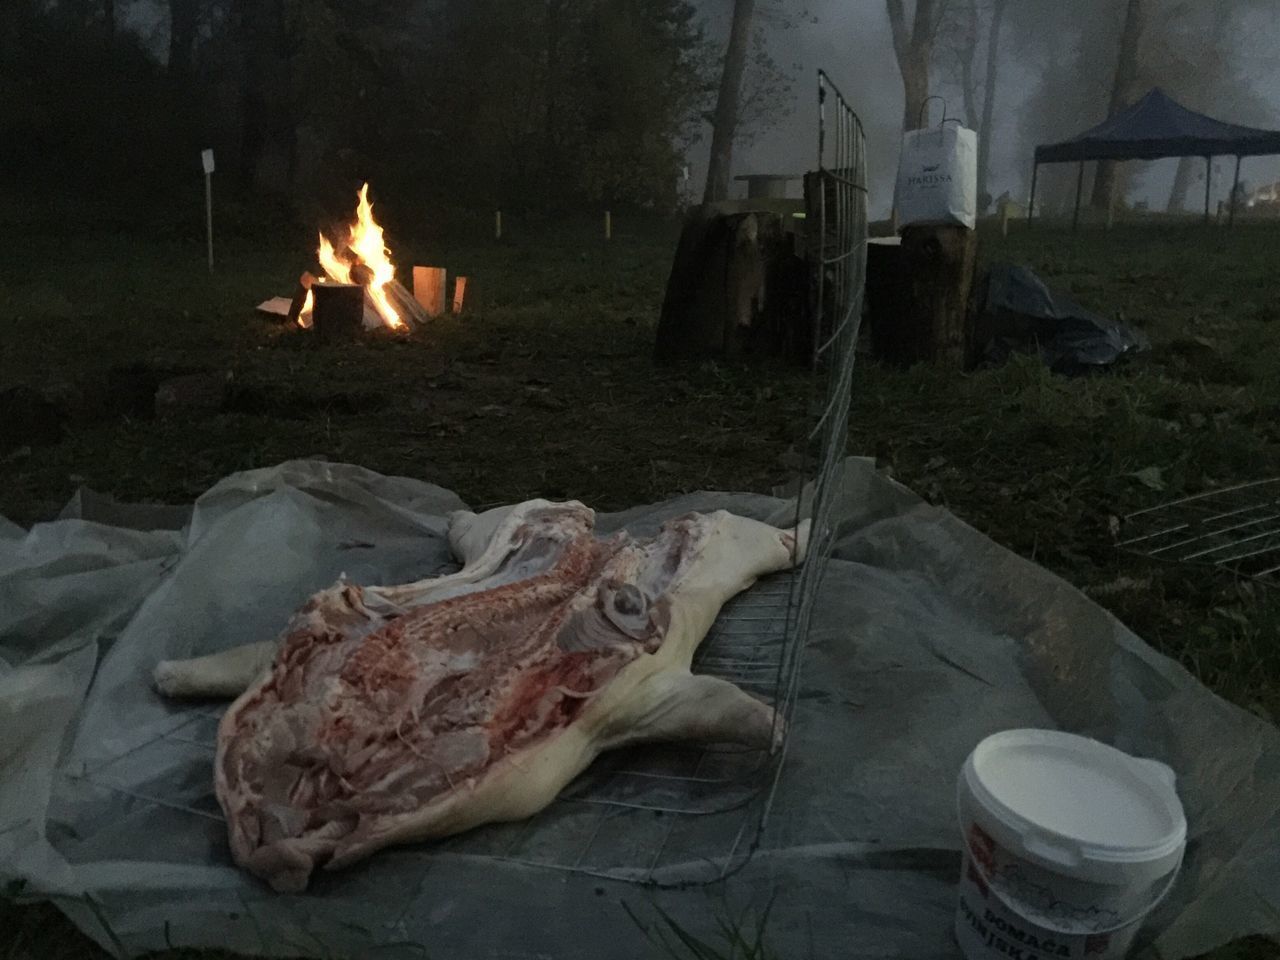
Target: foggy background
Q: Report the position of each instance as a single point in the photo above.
(851, 40)
(1057, 63)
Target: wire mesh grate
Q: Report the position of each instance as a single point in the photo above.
(1236, 529)
(670, 814)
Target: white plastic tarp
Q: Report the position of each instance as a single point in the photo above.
(927, 637)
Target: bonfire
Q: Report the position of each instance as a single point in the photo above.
(362, 257)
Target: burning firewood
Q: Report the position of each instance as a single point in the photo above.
(404, 300)
(360, 260)
(301, 296)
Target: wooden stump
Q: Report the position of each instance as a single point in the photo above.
(338, 311)
(919, 297)
(736, 287)
(886, 296)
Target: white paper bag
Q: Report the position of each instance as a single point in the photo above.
(938, 176)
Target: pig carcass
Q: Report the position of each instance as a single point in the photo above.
(389, 715)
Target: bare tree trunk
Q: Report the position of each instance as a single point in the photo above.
(970, 53)
(551, 129)
(989, 104)
(726, 117)
(914, 50)
(268, 146)
(183, 21)
(1122, 94)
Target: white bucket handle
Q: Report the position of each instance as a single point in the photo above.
(1012, 907)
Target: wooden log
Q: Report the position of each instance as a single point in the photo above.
(428, 289)
(886, 293)
(736, 287)
(362, 274)
(300, 296)
(338, 311)
(934, 321)
(408, 307)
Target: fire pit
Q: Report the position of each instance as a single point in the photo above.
(356, 260)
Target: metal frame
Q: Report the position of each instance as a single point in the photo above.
(1236, 529)
(1208, 191)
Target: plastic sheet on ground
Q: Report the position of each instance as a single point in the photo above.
(927, 637)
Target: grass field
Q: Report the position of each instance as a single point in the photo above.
(545, 388)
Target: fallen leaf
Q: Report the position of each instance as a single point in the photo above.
(1152, 477)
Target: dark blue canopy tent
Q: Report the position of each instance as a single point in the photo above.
(1155, 127)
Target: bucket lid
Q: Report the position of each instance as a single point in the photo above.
(1077, 806)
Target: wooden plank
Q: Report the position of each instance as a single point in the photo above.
(276, 306)
(459, 293)
(409, 309)
(428, 289)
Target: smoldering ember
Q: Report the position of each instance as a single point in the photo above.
(640, 478)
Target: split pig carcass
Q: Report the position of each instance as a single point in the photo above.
(390, 715)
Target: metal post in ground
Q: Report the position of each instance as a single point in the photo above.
(1235, 190)
(1208, 185)
(1031, 206)
(1075, 217)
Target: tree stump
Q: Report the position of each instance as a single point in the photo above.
(737, 286)
(918, 297)
(338, 312)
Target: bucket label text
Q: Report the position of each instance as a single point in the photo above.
(1010, 940)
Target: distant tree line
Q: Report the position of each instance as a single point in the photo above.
(540, 105)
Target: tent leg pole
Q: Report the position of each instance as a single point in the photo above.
(1235, 189)
(1031, 205)
(1208, 185)
(1075, 217)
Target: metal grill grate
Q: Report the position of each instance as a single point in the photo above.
(671, 814)
(1236, 529)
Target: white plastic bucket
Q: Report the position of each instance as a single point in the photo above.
(1068, 845)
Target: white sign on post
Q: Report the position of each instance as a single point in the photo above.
(206, 160)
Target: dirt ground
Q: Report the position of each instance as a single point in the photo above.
(544, 387)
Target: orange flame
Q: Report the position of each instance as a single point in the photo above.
(368, 246)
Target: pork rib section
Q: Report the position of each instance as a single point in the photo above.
(397, 714)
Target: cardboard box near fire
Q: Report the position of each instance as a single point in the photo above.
(363, 261)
